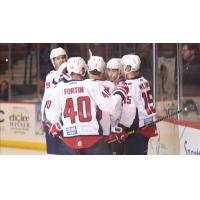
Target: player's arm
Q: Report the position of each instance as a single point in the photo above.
(59, 73)
(53, 108)
(107, 103)
(47, 91)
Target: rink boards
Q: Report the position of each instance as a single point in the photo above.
(20, 127)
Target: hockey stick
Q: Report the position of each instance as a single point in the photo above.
(153, 123)
(90, 53)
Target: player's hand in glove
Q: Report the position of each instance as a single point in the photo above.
(54, 130)
(60, 70)
(119, 137)
(121, 89)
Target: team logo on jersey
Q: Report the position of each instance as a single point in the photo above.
(71, 131)
(148, 120)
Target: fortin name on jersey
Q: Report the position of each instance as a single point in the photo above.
(74, 90)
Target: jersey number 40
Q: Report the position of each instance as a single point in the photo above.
(83, 102)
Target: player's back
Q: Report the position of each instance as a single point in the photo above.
(141, 95)
(103, 117)
(79, 108)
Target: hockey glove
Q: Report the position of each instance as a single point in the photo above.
(117, 135)
(121, 89)
(60, 70)
(62, 67)
(121, 136)
(54, 130)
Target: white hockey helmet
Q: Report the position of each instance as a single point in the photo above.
(57, 52)
(76, 65)
(96, 63)
(114, 63)
(131, 63)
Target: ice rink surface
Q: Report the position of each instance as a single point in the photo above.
(13, 151)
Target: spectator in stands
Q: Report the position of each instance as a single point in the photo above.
(186, 53)
(190, 53)
(4, 90)
(191, 64)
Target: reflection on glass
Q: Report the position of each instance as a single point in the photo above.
(191, 81)
(166, 76)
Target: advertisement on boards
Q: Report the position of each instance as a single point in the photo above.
(21, 122)
(189, 141)
(18, 118)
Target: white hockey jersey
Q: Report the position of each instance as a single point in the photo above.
(139, 97)
(75, 105)
(114, 119)
(48, 92)
(106, 118)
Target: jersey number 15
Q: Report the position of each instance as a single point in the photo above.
(147, 96)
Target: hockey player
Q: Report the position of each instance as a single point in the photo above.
(96, 71)
(113, 74)
(74, 106)
(138, 109)
(113, 69)
(58, 58)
